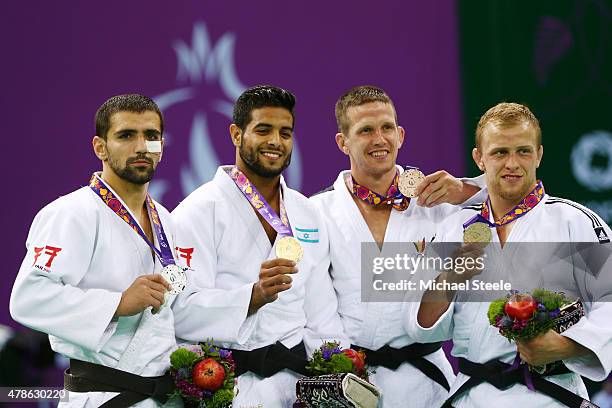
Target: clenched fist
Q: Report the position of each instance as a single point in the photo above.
(147, 290)
(273, 279)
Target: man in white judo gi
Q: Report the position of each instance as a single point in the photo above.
(357, 209)
(509, 150)
(236, 232)
(91, 275)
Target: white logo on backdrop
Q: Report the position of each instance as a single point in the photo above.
(198, 62)
(592, 175)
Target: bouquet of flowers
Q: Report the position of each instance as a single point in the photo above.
(331, 359)
(524, 316)
(203, 375)
(339, 379)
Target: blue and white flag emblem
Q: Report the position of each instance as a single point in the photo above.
(307, 234)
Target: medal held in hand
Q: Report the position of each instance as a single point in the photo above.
(477, 232)
(172, 273)
(409, 180)
(289, 248)
(176, 277)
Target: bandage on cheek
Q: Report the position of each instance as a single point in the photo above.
(154, 146)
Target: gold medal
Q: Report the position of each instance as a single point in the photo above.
(289, 248)
(477, 232)
(409, 180)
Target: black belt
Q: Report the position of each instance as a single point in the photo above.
(494, 372)
(413, 354)
(269, 360)
(89, 377)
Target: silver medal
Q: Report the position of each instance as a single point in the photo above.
(176, 277)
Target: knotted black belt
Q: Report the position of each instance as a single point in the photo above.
(495, 373)
(269, 360)
(413, 354)
(89, 377)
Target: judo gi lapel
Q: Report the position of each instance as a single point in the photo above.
(244, 210)
(352, 222)
(345, 210)
(139, 243)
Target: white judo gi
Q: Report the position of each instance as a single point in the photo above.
(80, 258)
(374, 324)
(218, 231)
(552, 220)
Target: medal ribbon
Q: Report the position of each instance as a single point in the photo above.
(164, 253)
(527, 204)
(280, 224)
(394, 196)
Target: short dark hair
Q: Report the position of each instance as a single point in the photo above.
(261, 96)
(357, 96)
(124, 103)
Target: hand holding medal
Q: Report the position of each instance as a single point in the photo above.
(409, 181)
(176, 277)
(274, 277)
(290, 248)
(172, 274)
(287, 246)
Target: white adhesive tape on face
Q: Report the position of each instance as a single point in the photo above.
(153, 146)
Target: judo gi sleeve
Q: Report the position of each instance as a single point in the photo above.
(202, 311)
(45, 296)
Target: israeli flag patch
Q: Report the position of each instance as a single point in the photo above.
(310, 235)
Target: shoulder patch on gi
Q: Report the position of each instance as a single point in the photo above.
(325, 190)
(599, 230)
(310, 235)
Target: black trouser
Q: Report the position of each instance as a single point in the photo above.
(413, 354)
(495, 373)
(89, 377)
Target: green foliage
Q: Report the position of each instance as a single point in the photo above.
(340, 363)
(221, 399)
(183, 358)
(551, 300)
(336, 361)
(496, 308)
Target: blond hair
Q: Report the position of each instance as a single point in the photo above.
(505, 115)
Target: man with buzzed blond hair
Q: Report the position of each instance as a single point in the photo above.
(518, 210)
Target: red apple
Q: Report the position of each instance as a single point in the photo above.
(520, 306)
(357, 357)
(208, 374)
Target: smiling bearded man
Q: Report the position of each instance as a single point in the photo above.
(244, 233)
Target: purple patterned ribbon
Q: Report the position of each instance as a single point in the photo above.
(527, 204)
(280, 224)
(394, 196)
(164, 253)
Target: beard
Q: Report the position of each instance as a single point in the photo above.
(132, 174)
(515, 195)
(251, 158)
